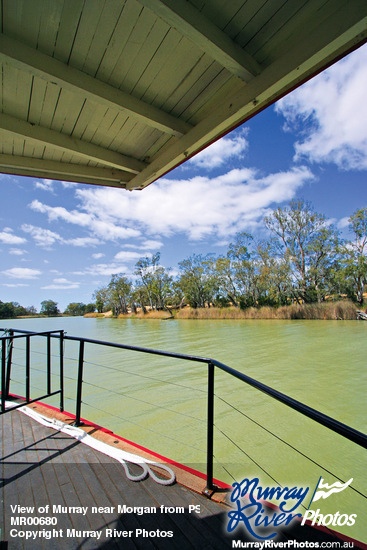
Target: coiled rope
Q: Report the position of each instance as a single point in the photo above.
(118, 454)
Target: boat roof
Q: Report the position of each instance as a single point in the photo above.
(118, 93)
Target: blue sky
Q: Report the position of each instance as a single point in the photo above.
(61, 241)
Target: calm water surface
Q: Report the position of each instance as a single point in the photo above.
(161, 403)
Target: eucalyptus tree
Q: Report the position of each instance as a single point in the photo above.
(49, 308)
(275, 273)
(102, 299)
(197, 280)
(309, 243)
(245, 269)
(155, 280)
(354, 254)
(120, 289)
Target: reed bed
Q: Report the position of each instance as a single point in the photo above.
(343, 310)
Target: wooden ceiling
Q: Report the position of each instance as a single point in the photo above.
(119, 92)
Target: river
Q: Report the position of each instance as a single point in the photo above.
(160, 403)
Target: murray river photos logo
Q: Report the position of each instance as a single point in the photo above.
(263, 522)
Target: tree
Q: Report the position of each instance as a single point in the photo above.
(197, 280)
(75, 309)
(275, 274)
(49, 308)
(90, 308)
(308, 243)
(155, 282)
(102, 298)
(354, 255)
(120, 293)
(245, 269)
(6, 310)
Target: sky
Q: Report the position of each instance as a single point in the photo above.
(62, 241)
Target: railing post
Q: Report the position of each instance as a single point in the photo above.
(3, 362)
(210, 432)
(80, 384)
(27, 368)
(61, 370)
(48, 363)
(8, 366)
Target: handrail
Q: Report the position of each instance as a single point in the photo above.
(6, 364)
(342, 429)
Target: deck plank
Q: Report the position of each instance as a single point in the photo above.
(42, 467)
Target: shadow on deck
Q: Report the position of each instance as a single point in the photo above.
(41, 467)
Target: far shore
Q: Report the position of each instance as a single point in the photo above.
(342, 310)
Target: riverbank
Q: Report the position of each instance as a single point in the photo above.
(342, 310)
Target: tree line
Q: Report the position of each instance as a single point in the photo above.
(303, 261)
(10, 310)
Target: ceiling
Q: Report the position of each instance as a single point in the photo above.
(117, 93)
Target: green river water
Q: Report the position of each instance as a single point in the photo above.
(160, 403)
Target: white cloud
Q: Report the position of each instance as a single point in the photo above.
(127, 256)
(43, 237)
(14, 285)
(17, 252)
(97, 256)
(60, 287)
(46, 238)
(151, 245)
(61, 284)
(83, 241)
(7, 237)
(100, 225)
(105, 269)
(22, 273)
(200, 206)
(330, 110)
(45, 185)
(343, 222)
(68, 184)
(220, 152)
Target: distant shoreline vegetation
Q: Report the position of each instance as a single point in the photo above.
(343, 310)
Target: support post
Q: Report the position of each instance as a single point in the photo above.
(3, 362)
(48, 363)
(61, 370)
(8, 366)
(80, 384)
(210, 432)
(27, 368)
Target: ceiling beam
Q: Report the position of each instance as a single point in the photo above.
(63, 142)
(28, 59)
(338, 32)
(190, 22)
(63, 171)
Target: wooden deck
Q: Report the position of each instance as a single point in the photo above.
(41, 466)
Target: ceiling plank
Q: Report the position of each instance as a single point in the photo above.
(343, 30)
(63, 171)
(89, 151)
(25, 58)
(188, 21)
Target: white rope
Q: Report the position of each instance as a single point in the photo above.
(118, 454)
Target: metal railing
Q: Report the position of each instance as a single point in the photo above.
(7, 343)
(350, 433)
